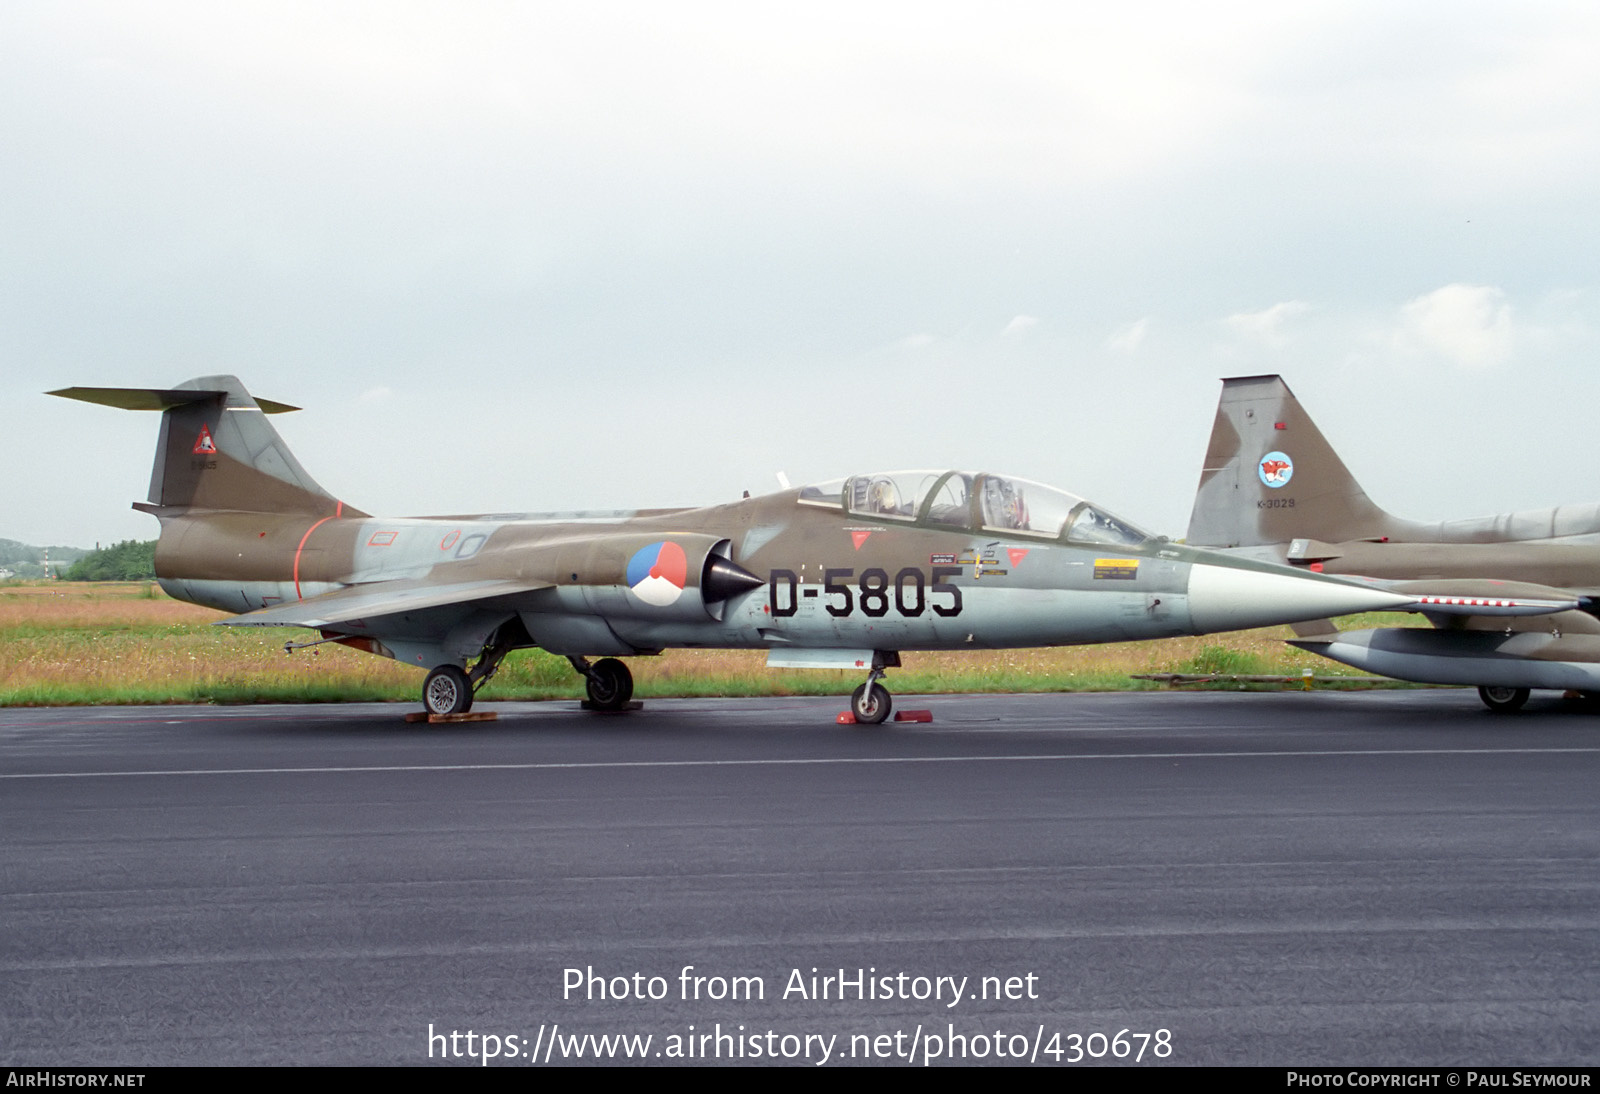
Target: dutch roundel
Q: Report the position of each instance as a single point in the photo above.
(658, 573)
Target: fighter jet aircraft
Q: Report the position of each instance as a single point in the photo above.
(1272, 488)
(843, 574)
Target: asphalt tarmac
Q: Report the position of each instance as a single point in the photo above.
(1282, 879)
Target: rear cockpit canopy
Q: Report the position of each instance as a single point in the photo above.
(981, 502)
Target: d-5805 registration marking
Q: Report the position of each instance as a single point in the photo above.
(911, 593)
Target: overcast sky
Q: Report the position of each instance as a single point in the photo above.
(539, 256)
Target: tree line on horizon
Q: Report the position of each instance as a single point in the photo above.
(130, 560)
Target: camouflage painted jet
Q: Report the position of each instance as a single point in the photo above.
(1272, 488)
(846, 574)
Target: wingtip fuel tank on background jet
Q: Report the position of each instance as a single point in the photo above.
(1272, 488)
(843, 574)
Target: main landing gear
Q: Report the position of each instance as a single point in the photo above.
(1503, 700)
(608, 682)
(449, 689)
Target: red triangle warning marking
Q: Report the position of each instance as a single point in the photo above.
(1017, 555)
(860, 538)
(204, 445)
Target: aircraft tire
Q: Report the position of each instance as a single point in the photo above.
(447, 691)
(609, 684)
(1503, 700)
(870, 707)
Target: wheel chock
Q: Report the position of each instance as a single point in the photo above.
(846, 718)
(451, 719)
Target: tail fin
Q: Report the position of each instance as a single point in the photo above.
(1271, 477)
(218, 451)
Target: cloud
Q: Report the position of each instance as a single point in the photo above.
(1018, 326)
(1129, 338)
(1468, 325)
(1266, 327)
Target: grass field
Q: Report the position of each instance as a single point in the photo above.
(64, 643)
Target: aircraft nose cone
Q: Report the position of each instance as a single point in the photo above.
(1225, 598)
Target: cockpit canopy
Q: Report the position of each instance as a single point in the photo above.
(981, 502)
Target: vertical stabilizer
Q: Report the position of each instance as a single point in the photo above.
(217, 451)
(1270, 476)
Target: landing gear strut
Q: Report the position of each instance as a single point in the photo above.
(1503, 700)
(608, 682)
(870, 703)
(449, 689)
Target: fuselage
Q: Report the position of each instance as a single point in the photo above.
(828, 578)
(840, 574)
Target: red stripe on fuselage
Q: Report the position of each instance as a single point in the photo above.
(337, 511)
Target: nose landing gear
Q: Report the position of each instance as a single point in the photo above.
(870, 703)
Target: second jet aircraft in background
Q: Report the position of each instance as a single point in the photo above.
(1272, 488)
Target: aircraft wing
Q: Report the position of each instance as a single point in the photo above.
(378, 598)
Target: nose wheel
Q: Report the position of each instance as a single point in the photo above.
(870, 703)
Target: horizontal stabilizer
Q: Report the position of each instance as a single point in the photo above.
(372, 601)
(154, 398)
(218, 451)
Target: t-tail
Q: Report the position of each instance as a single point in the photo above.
(218, 452)
(1270, 476)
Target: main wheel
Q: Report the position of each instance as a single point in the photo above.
(1503, 700)
(447, 691)
(870, 704)
(610, 684)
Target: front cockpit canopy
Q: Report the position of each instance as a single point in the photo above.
(981, 502)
